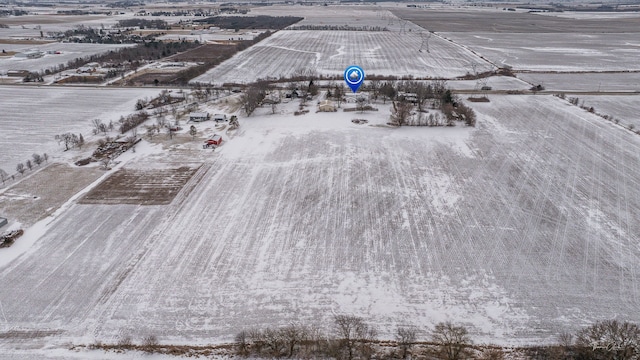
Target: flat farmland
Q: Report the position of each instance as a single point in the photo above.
(32, 116)
(625, 108)
(340, 15)
(520, 228)
(588, 82)
(473, 20)
(555, 52)
(330, 52)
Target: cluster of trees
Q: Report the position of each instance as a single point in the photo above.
(144, 23)
(351, 338)
(252, 97)
(13, 12)
(36, 159)
(70, 140)
(33, 76)
(251, 22)
(100, 127)
(131, 121)
(409, 95)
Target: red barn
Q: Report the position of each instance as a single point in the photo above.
(215, 140)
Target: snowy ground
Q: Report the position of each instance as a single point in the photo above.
(594, 82)
(625, 108)
(520, 228)
(32, 116)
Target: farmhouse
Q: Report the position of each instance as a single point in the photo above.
(199, 116)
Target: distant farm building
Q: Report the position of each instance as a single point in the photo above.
(219, 117)
(17, 73)
(199, 116)
(30, 54)
(3, 222)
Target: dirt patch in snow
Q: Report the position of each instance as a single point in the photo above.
(140, 186)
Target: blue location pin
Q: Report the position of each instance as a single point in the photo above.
(354, 76)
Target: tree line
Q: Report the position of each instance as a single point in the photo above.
(351, 337)
(21, 168)
(251, 22)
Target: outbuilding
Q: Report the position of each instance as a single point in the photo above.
(199, 116)
(219, 117)
(3, 222)
(326, 106)
(215, 140)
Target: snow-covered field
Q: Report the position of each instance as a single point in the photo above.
(330, 52)
(625, 108)
(553, 51)
(32, 116)
(520, 228)
(627, 82)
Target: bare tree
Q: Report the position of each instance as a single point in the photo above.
(406, 338)
(374, 87)
(338, 94)
(242, 343)
(257, 340)
(251, 99)
(97, 123)
(45, 157)
(37, 159)
(193, 132)
(611, 339)
(388, 91)
(453, 341)
(351, 332)
(105, 161)
(29, 164)
(3, 176)
(151, 130)
(401, 112)
(273, 340)
(149, 342)
(293, 335)
(20, 168)
(467, 114)
(66, 138)
(161, 121)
